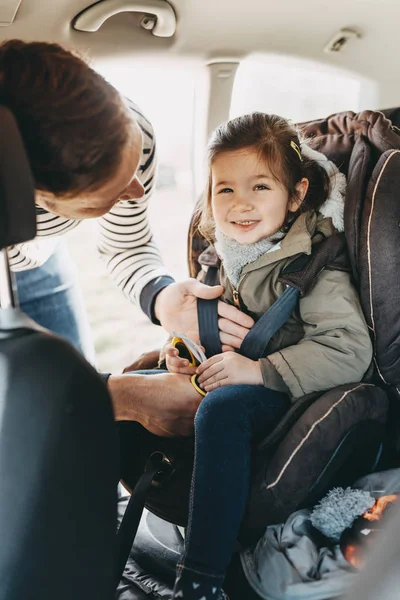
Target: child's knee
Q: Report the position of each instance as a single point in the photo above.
(221, 405)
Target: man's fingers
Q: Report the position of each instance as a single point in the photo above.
(227, 311)
(232, 328)
(226, 348)
(200, 290)
(229, 340)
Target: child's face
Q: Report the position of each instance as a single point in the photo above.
(248, 204)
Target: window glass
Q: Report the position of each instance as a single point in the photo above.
(296, 90)
(166, 93)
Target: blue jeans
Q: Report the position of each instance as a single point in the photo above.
(228, 421)
(50, 295)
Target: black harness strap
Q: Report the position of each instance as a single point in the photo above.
(130, 521)
(256, 341)
(158, 468)
(207, 313)
(299, 277)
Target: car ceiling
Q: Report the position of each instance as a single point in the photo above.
(218, 29)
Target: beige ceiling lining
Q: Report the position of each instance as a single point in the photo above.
(8, 11)
(210, 29)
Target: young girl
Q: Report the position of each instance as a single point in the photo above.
(269, 198)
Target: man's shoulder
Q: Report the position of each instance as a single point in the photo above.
(143, 122)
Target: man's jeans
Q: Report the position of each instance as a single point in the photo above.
(50, 295)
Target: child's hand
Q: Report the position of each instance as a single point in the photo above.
(176, 364)
(228, 368)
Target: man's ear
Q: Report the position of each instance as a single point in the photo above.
(301, 190)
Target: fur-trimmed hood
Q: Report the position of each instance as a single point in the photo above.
(333, 206)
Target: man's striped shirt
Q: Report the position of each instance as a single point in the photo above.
(125, 239)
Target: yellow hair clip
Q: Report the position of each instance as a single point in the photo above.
(296, 149)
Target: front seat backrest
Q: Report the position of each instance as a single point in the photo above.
(58, 463)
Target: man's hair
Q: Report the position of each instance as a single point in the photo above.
(277, 143)
(73, 123)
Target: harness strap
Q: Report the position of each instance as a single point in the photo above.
(157, 469)
(256, 341)
(207, 313)
(130, 522)
(299, 276)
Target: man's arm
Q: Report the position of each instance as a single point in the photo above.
(125, 238)
(133, 260)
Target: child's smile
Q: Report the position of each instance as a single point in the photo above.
(245, 225)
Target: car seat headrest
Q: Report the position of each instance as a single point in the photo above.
(17, 194)
(335, 136)
(393, 114)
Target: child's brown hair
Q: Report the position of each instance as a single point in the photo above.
(277, 143)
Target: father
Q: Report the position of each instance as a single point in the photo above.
(93, 155)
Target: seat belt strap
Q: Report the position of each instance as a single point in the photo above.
(207, 313)
(256, 341)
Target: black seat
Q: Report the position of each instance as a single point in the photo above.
(58, 460)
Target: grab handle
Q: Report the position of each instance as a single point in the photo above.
(163, 23)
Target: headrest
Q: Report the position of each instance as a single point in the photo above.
(336, 135)
(17, 194)
(393, 114)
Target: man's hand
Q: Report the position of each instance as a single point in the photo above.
(228, 368)
(164, 404)
(233, 325)
(176, 309)
(176, 306)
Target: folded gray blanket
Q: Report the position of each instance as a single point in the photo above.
(289, 562)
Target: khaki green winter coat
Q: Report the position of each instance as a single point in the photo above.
(326, 342)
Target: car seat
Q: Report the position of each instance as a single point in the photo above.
(58, 458)
(326, 439)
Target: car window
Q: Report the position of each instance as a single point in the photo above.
(167, 95)
(298, 90)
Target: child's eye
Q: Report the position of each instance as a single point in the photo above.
(225, 191)
(261, 186)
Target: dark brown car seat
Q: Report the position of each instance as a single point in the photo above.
(328, 439)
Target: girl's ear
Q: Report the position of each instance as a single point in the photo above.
(301, 190)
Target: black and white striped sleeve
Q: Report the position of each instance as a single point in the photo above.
(30, 254)
(125, 238)
(36, 252)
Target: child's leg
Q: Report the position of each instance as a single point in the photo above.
(227, 421)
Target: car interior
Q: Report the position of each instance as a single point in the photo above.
(330, 67)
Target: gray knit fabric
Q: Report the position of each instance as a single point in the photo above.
(235, 256)
(338, 509)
